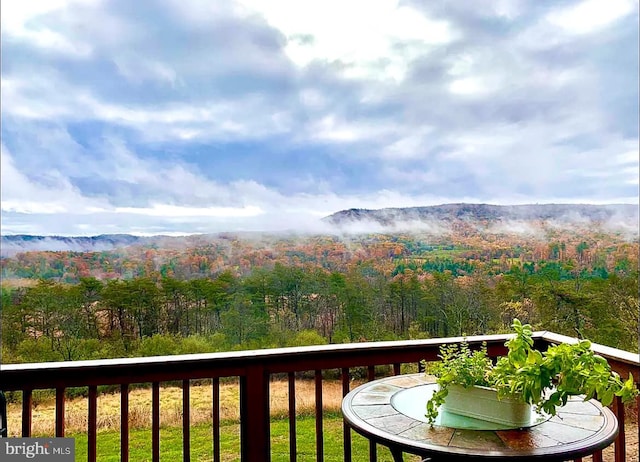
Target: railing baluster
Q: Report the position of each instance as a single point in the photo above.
(319, 432)
(215, 409)
(155, 421)
(255, 429)
(373, 450)
(618, 409)
(396, 368)
(4, 427)
(59, 412)
(124, 422)
(597, 456)
(346, 430)
(186, 422)
(293, 451)
(92, 420)
(27, 412)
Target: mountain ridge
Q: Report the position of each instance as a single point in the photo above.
(487, 212)
(434, 218)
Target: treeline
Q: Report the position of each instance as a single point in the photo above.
(297, 305)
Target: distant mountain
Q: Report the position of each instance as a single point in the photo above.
(16, 243)
(12, 244)
(436, 220)
(560, 213)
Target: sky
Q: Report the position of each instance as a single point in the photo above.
(186, 116)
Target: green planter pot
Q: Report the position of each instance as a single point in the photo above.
(483, 403)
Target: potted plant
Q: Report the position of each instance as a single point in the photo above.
(524, 377)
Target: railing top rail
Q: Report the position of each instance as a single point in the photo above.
(255, 355)
(237, 363)
(603, 350)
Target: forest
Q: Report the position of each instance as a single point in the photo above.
(237, 293)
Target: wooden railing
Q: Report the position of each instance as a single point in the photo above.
(254, 370)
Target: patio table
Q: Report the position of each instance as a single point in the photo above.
(390, 412)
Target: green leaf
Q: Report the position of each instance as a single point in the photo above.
(607, 398)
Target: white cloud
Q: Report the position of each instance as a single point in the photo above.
(590, 15)
(359, 33)
(628, 157)
(17, 13)
(172, 211)
(137, 70)
(467, 86)
(20, 22)
(334, 128)
(54, 196)
(409, 144)
(49, 97)
(509, 9)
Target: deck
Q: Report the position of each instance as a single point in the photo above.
(254, 370)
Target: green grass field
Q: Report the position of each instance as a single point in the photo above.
(201, 443)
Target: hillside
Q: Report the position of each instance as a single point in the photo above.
(26, 243)
(561, 213)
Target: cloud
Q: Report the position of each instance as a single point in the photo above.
(172, 211)
(45, 195)
(363, 44)
(237, 114)
(19, 22)
(590, 15)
